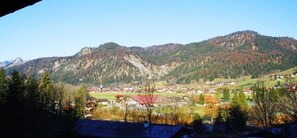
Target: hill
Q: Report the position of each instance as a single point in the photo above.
(231, 56)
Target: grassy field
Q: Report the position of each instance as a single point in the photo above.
(106, 95)
(111, 95)
(246, 81)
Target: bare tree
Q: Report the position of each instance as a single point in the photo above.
(148, 99)
(265, 106)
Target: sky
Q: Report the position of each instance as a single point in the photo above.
(63, 27)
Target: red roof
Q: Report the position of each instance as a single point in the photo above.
(150, 99)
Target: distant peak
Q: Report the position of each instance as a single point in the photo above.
(235, 39)
(18, 59)
(85, 51)
(109, 45)
(245, 32)
(11, 63)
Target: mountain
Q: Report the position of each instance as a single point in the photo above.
(11, 63)
(230, 56)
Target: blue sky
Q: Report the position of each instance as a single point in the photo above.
(63, 27)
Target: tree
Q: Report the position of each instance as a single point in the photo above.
(45, 88)
(211, 110)
(238, 111)
(235, 99)
(239, 99)
(31, 91)
(288, 102)
(31, 115)
(242, 99)
(148, 99)
(14, 100)
(80, 101)
(201, 99)
(265, 107)
(222, 115)
(198, 125)
(15, 88)
(226, 95)
(26, 111)
(3, 86)
(238, 117)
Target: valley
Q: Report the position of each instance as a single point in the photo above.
(222, 82)
(148, 69)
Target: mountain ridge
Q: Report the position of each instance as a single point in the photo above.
(14, 62)
(229, 56)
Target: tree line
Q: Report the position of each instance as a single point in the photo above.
(38, 108)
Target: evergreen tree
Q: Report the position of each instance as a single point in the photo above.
(31, 115)
(31, 91)
(45, 88)
(26, 111)
(242, 101)
(235, 99)
(238, 117)
(3, 86)
(226, 95)
(15, 88)
(15, 102)
(201, 99)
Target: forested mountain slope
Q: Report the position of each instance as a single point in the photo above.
(229, 56)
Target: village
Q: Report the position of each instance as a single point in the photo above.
(184, 102)
(173, 95)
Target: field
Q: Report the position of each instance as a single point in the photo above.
(111, 95)
(246, 81)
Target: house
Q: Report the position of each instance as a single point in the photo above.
(120, 98)
(155, 100)
(93, 89)
(211, 90)
(179, 101)
(199, 91)
(102, 101)
(128, 89)
(111, 129)
(130, 101)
